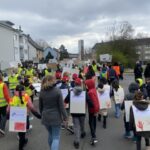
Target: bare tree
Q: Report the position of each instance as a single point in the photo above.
(44, 44)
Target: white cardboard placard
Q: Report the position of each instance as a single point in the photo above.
(77, 103)
(37, 86)
(119, 95)
(64, 93)
(128, 105)
(142, 119)
(104, 100)
(18, 119)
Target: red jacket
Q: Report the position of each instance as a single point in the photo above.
(92, 93)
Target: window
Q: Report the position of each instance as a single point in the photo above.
(147, 57)
(147, 52)
(15, 37)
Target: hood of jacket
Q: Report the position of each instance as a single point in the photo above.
(140, 81)
(77, 90)
(133, 87)
(90, 84)
(141, 104)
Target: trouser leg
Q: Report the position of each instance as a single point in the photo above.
(92, 123)
(138, 143)
(76, 126)
(3, 117)
(21, 140)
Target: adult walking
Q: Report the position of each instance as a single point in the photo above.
(147, 72)
(52, 109)
(138, 70)
(4, 100)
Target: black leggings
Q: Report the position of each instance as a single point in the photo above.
(92, 123)
(22, 136)
(138, 142)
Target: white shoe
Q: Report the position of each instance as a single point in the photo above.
(30, 127)
(2, 132)
(31, 118)
(147, 148)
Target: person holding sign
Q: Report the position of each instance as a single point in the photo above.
(118, 97)
(129, 97)
(139, 126)
(92, 93)
(77, 99)
(104, 100)
(22, 100)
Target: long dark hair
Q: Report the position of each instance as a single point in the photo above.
(20, 89)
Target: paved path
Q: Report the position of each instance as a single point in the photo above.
(109, 139)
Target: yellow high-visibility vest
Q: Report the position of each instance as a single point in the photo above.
(13, 81)
(3, 101)
(16, 102)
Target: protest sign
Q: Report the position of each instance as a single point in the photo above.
(37, 86)
(142, 119)
(119, 95)
(18, 119)
(77, 103)
(128, 104)
(104, 100)
(64, 93)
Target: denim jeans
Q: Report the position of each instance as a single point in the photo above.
(117, 110)
(53, 136)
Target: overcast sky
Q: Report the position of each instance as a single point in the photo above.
(66, 21)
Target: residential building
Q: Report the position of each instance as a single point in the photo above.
(142, 47)
(54, 52)
(9, 44)
(16, 46)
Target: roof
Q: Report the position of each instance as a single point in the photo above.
(55, 49)
(34, 44)
(7, 24)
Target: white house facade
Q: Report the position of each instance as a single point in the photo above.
(16, 46)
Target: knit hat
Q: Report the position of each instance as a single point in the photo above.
(74, 76)
(78, 81)
(65, 79)
(58, 75)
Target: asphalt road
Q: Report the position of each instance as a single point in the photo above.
(109, 139)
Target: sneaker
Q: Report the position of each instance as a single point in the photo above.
(25, 142)
(93, 141)
(76, 145)
(18, 137)
(127, 135)
(70, 130)
(2, 132)
(31, 118)
(30, 127)
(83, 135)
(62, 127)
(134, 138)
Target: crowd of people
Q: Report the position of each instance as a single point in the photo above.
(55, 109)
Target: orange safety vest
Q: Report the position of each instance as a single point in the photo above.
(117, 69)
